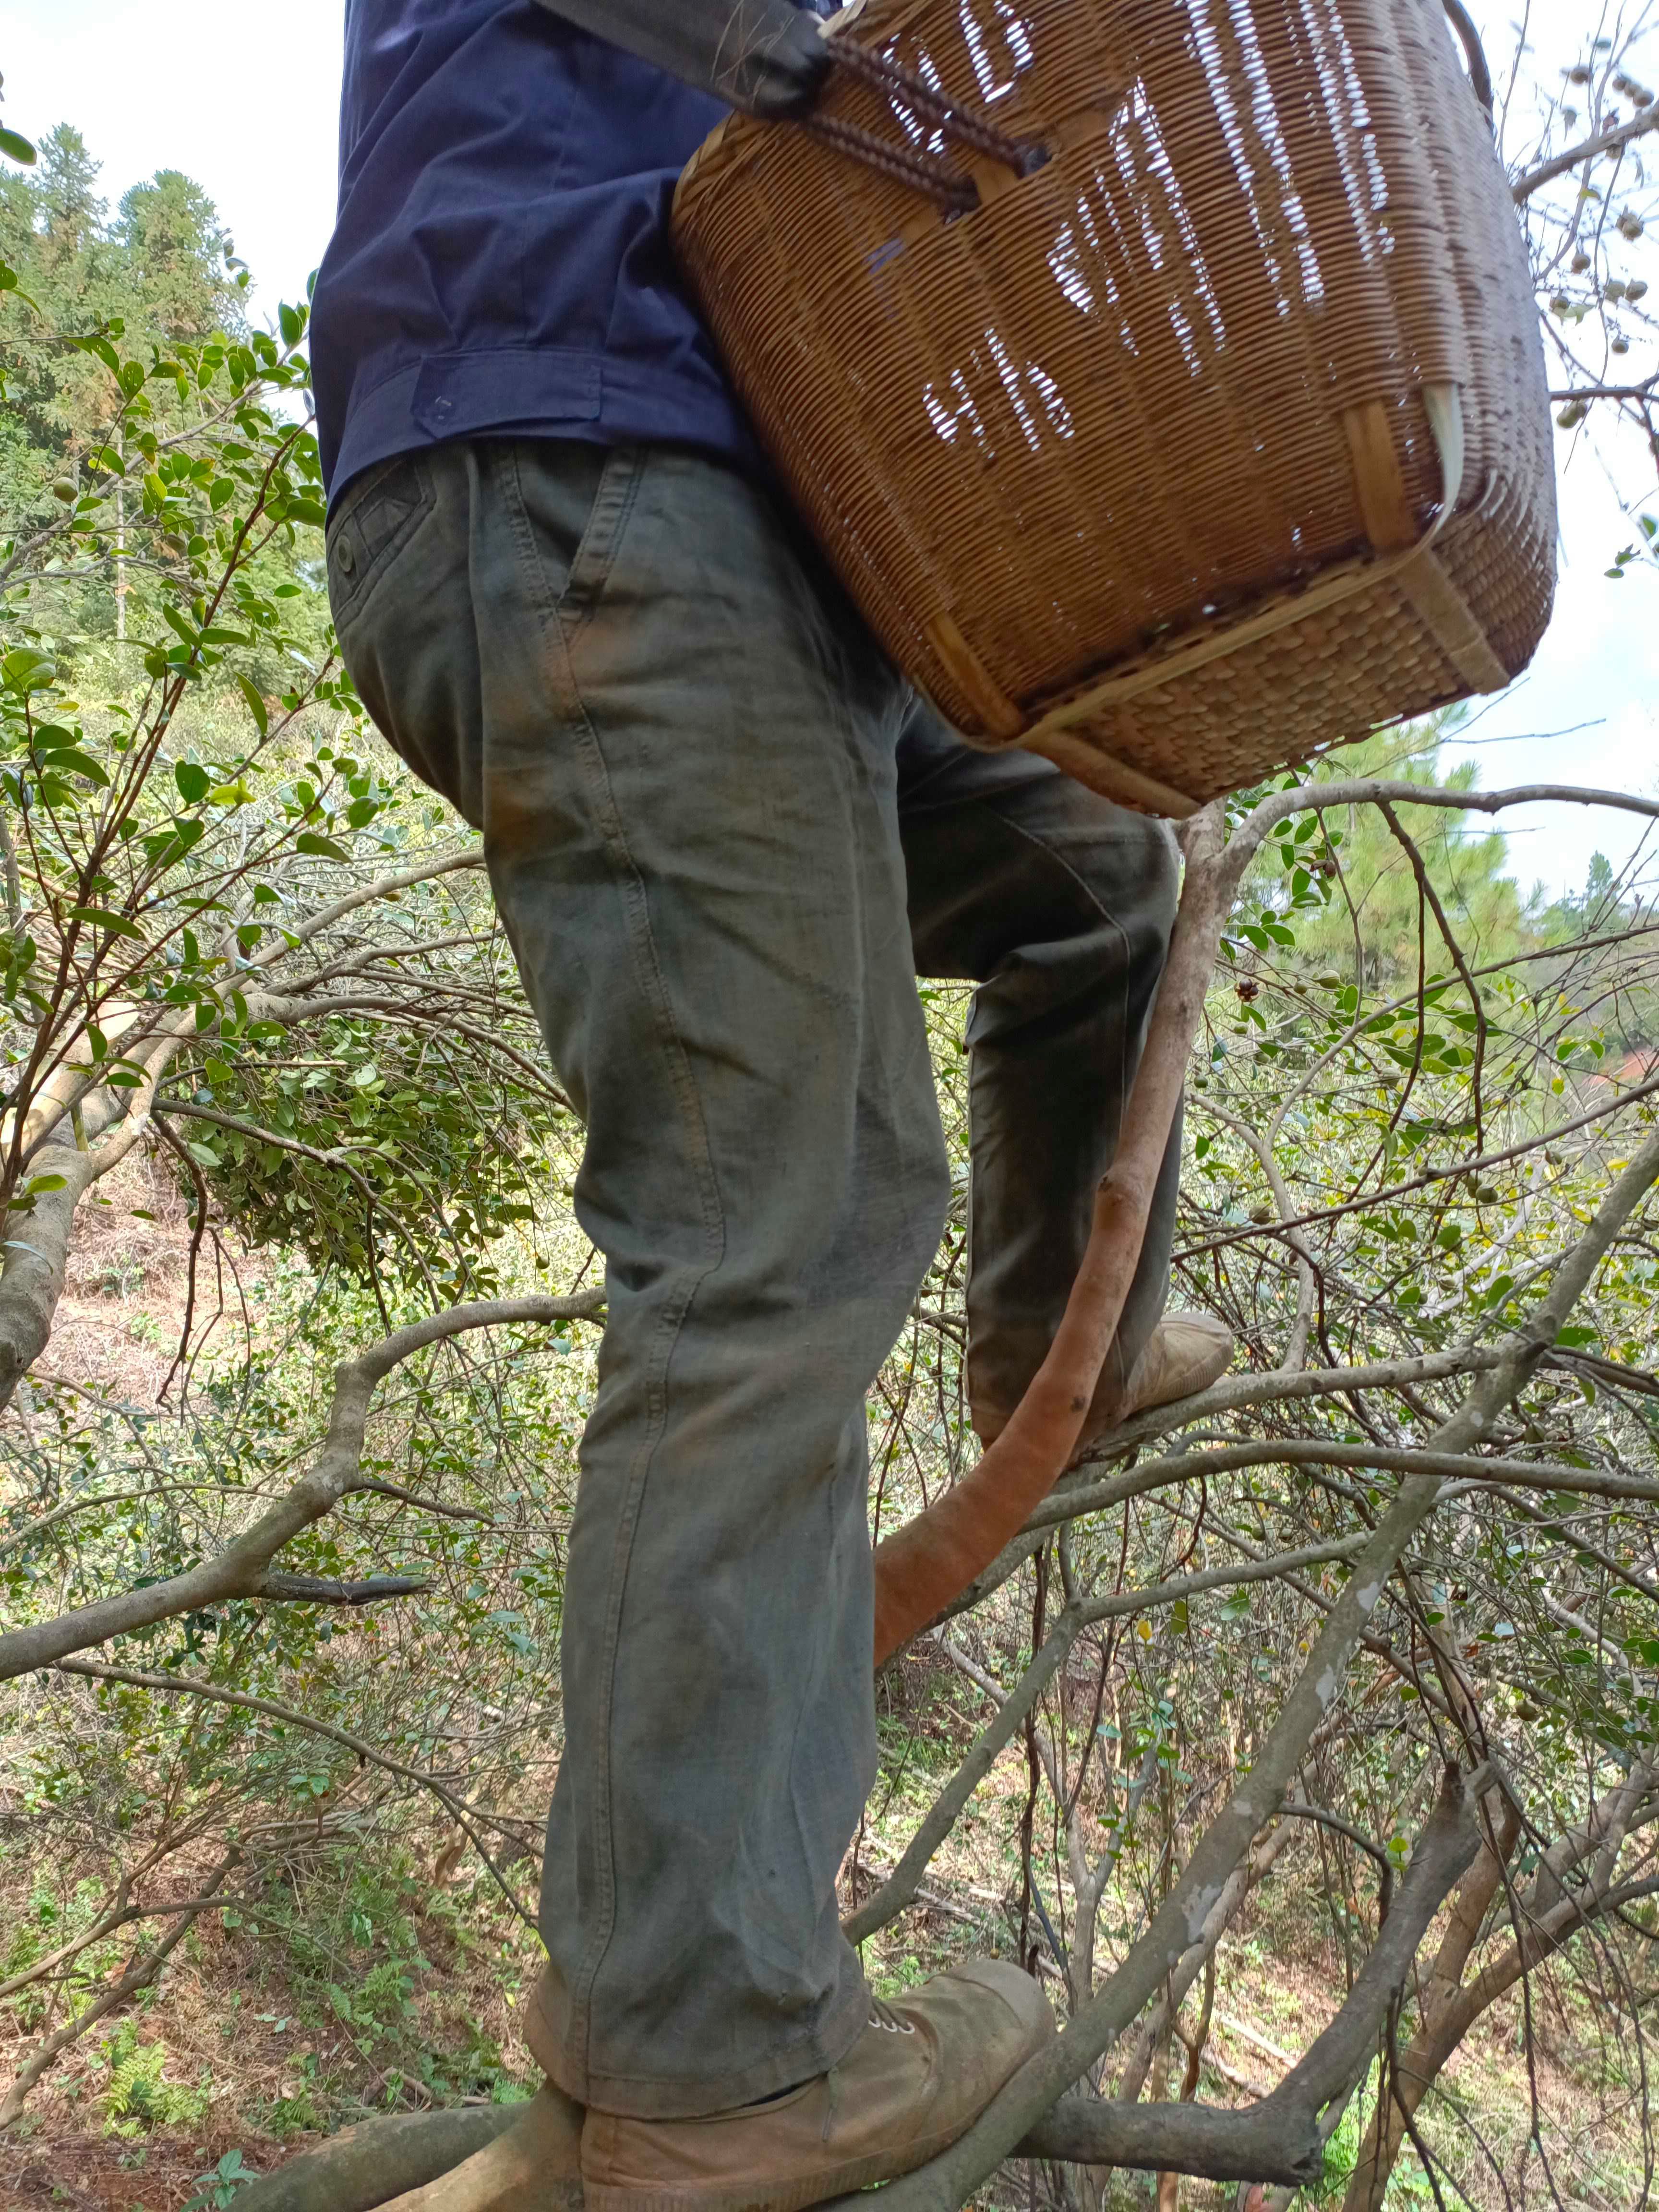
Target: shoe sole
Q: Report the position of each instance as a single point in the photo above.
(784, 2197)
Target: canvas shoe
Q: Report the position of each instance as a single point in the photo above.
(926, 2067)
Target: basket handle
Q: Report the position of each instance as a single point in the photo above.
(1474, 54)
(953, 188)
(773, 58)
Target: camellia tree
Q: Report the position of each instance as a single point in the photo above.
(1371, 1621)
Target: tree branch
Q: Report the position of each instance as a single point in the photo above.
(947, 2182)
(1604, 141)
(242, 1568)
(181, 1684)
(323, 1589)
(902, 1885)
(1301, 1451)
(138, 1975)
(1279, 2139)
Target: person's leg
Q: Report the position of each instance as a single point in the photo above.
(679, 745)
(1060, 906)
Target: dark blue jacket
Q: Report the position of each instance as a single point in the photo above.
(501, 259)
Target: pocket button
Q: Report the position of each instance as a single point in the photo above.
(346, 557)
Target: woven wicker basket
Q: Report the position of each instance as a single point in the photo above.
(1163, 376)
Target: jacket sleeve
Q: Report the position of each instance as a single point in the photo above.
(767, 57)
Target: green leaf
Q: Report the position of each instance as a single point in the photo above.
(98, 345)
(24, 669)
(255, 703)
(324, 848)
(15, 147)
(101, 918)
(71, 761)
(193, 781)
(291, 321)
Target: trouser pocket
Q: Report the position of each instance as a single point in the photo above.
(425, 559)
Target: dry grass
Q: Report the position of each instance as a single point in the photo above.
(127, 1289)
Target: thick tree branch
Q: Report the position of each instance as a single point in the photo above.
(242, 1568)
(922, 1566)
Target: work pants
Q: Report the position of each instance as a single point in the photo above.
(724, 835)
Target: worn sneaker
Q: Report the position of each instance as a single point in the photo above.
(1184, 1354)
(534, 2166)
(922, 2072)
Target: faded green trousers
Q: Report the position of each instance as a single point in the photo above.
(724, 835)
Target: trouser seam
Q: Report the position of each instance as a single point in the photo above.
(601, 538)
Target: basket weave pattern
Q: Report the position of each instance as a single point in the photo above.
(1176, 381)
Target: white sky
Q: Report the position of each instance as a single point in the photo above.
(243, 98)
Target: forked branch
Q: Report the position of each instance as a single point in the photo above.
(243, 1568)
(1280, 2139)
